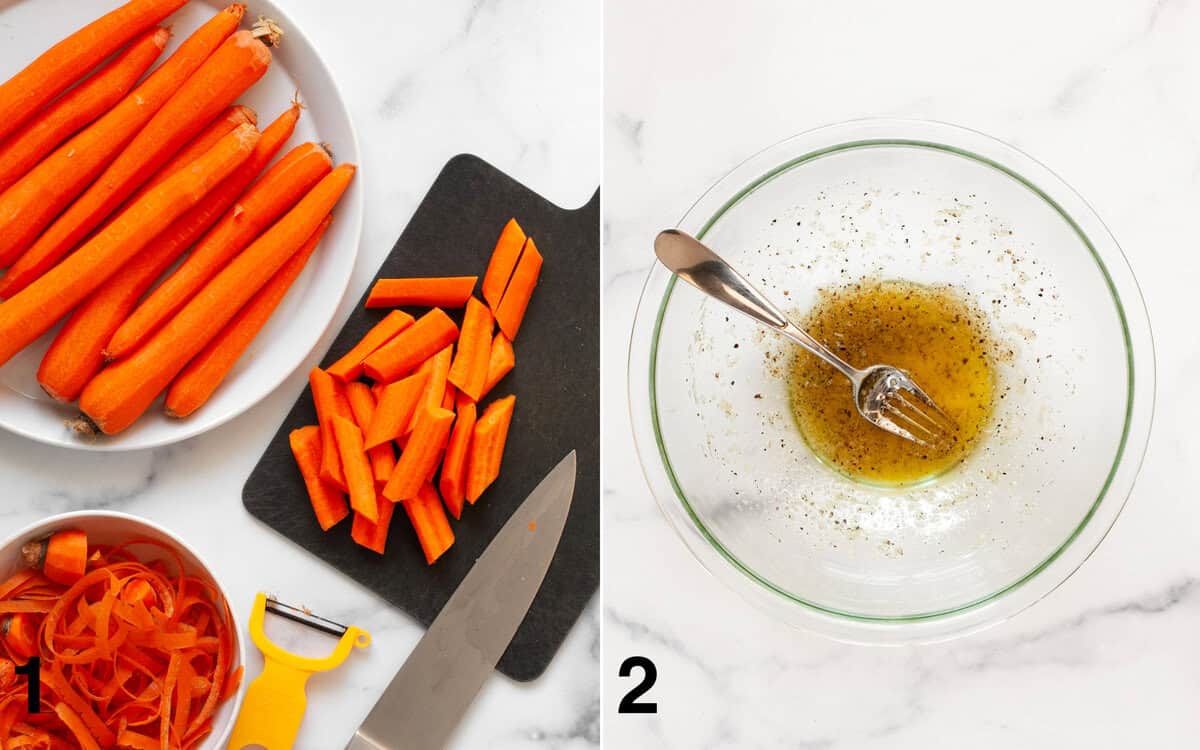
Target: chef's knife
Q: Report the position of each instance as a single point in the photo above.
(427, 698)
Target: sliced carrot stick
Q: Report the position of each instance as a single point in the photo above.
(362, 403)
(29, 205)
(450, 397)
(454, 465)
(438, 366)
(503, 261)
(359, 479)
(487, 446)
(200, 379)
(512, 307)
(328, 503)
(239, 62)
(36, 309)
(276, 192)
(120, 393)
(77, 352)
(349, 367)
(66, 62)
(429, 521)
(78, 107)
(446, 291)
(470, 369)
(432, 332)
(421, 453)
(373, 534)
(501, 361)
(396, 405)
(330, 402)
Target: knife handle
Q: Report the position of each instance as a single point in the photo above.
(272, 710)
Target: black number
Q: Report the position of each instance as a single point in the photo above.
(33, 670)
(629, 704)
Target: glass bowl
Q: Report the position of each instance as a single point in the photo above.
(929, 203)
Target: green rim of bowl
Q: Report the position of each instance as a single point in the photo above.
(747, 570)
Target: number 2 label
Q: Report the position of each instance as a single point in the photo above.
(630, 704)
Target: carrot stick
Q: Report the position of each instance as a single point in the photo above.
(328, 503)
(66, 62)
(396, 406)
(429, 521)
(270, 197)
(487, 446)
(120, 393)
(239, 62)
(438, 366)
(501, 361)
(420, 455)
(199, 380)
(36, 309)
(78, 107)
(62, 557)
(432, 332)
(362, 404)
(503, 261)
(512, 307)
(349, 367)
(470, 369)
(447, 291)
(29, 205)
(359, 479)
(373, 534)
(330, 402)
(77, 352)
(454, 465)
(450, 397)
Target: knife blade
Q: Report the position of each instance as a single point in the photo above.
(427, 698)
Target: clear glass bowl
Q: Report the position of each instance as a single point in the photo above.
(930, 203)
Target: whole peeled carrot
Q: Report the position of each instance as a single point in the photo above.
(120, 393)
(30, 204)
(239, 62)
(269, 198)
(66, 62)
(43, 303)
(78, 107)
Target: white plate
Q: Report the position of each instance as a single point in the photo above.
(27, 27)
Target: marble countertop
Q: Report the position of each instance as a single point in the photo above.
(517, 83)
(1108, 100)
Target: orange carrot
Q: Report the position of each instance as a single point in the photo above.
(470, 369)
(36, 309)
(448, 291)
(78, 107)
(328, 504)
(512, 307)
(20, 635)
(62, 557)
(450, 397)
(373, 534)
(330, 402)
(120, 393)
(438, 366)
(66, 62)
(395, 408)
(76, 726)
(77, 352)
(362, 404)
(29, 205)
(501, 361)
(349, 367)
(503, 261)
(199, 380)
(359, 480)
(487, 446)
(429, 521)
(454, 465)
(421, 453)
(432, 332)
(239, 62)
(276, 192)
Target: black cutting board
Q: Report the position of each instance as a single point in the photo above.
(557, 384)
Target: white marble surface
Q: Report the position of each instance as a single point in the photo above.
(1107, 98)
(517, 83)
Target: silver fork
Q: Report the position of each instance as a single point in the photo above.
(885, 396)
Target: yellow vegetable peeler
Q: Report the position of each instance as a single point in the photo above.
(275, 701)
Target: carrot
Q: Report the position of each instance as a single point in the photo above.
(29, 205)
(432, 332)
(19, 632)
(199, 380)
(329, 505)
(373, 534)
(62, 557)
(36, 309)
(487, 446)
(501, 361)
(454, 465)
(450, 397)
(329, 402)
(120, 393)
(421, 453)
(397, 403)
(429, 521)
(359, 480)
(65, 63)
(236, 65)
(503, 261)
(448, 291)
(270, 197)
(78, 107)
(470, 369)
(349, 367)
(78, 729)
(435, 388)
(516, 298)
(77, 352)
(362, 404)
